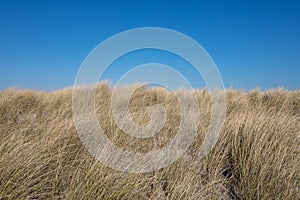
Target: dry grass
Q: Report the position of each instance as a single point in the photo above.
(256, 157)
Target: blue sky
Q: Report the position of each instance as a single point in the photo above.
(253, 43)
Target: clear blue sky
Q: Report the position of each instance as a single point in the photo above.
(253, 43)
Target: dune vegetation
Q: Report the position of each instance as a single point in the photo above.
(256, 156)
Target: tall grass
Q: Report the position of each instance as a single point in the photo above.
(256, 156)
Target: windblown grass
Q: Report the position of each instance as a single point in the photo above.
(256, 157)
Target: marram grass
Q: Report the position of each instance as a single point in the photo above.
(256, 156)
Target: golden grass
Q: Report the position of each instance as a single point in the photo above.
(256, 156)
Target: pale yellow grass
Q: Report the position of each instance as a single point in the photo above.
(256, 157)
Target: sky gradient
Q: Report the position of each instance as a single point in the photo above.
(253, 43)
